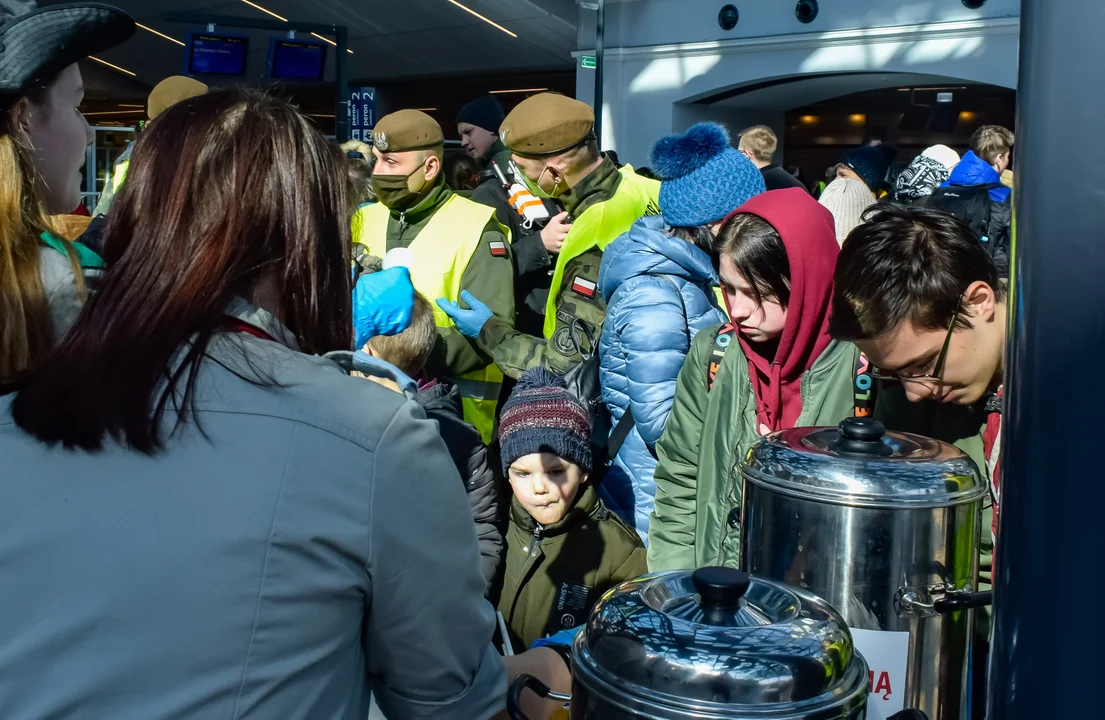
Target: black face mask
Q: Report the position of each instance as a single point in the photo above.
(394, 190)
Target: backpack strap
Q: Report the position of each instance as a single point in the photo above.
(864, 386)
(724, 337)
(620, 433)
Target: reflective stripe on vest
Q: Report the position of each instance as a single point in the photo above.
(442, 251)
(120, 175)
(600, 225)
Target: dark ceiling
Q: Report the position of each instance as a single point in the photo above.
(420, 53)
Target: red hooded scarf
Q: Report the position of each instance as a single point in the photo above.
(809, 236)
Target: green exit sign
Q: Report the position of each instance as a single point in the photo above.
(588, 61)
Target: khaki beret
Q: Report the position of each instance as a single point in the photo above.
(547, 123)
(170, 91)
(407, 130)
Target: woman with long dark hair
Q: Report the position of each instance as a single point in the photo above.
(202, 516)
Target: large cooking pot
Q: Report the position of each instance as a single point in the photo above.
(714, 644)
(885, 527)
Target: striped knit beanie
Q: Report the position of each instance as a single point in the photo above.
(541, 415)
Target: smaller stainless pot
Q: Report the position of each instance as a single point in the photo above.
(714, 644)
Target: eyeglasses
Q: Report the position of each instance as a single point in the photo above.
(937, 374)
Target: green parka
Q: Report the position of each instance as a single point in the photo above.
(556, 573)
(698, 482)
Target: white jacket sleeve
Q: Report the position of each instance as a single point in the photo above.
(428, 628)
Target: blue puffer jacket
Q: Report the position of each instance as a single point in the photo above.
(973, 170)
(645, 338)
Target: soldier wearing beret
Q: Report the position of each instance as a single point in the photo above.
(455, 245)
(533, 248)
(553, 142)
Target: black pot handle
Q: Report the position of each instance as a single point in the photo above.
(514, 694)
(963, 601)
(909, 715)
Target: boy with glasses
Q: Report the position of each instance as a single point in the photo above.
(921, 298)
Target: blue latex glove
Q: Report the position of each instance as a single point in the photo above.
(469, 322)
(564, 637)
(383, 304)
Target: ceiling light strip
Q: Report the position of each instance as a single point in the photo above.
(114, 67)
(112, 112)
(481, 17)
(326, 39)
(267, 12)
(159, 34)
(520, 90)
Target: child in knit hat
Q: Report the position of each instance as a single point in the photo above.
(564, 548)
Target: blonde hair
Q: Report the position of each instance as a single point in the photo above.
(409, 350)
(24, 308)
(761, 141)
(989, 141)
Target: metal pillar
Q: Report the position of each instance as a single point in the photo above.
(341, 79)
(600, 32)
(1046, 657)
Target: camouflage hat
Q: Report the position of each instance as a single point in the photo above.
(547, 123)
(407, 130)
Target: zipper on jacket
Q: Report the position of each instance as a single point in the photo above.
(527, 571)
(536, 544)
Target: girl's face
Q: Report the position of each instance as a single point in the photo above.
(546, 485)
(756, 322)
(59, 136)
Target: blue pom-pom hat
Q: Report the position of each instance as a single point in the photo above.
(703, 177)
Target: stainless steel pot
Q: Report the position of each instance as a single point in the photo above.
(886, 528)
(715, 645)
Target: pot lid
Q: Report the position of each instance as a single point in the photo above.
(858, 463)
(717, 641)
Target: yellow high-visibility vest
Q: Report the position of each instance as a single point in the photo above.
(601, 224)
(119, 175)
(442, 251)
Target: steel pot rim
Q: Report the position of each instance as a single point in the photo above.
(863, 500)
(595, 679)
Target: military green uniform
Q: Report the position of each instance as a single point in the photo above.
(601, 206)
(556, 573)
(489, 276)
(579, 305)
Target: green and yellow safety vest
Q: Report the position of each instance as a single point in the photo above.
(599, 225)
(442, 251)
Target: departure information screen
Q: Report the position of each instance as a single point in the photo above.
(217, 54)
(296, 60)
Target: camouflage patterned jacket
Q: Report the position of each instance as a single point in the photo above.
(580, 308)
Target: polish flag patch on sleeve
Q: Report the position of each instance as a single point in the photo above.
(583, 287)
(498, 249)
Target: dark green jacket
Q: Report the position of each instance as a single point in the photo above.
(698, 483)
(555, 574)
(488, 277)
(532, 262)
(515, 352)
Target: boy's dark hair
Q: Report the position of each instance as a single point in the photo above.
(759, 255)
(906, 263)
(409, 350)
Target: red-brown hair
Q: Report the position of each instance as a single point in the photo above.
(223, 191)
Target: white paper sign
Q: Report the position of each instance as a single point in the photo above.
(886, 654)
